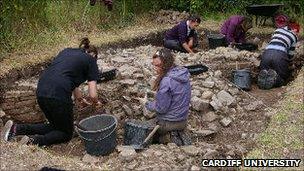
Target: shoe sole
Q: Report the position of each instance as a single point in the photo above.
(5, 131)
(271, 78)
(262, 79)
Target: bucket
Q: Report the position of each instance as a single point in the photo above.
(216, 40)
(99, 134)
(247, 46)
(136, 132)
(242, 78)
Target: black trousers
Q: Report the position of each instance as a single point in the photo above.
(58, 130)
(176, 45)
(278, 61)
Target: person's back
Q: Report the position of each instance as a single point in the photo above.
(235, 27)
(178, 32)
(177, 83)
(283, 40)
(68, 70)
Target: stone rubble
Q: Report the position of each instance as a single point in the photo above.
(215, 103)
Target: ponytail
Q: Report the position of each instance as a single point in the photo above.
(85, 44)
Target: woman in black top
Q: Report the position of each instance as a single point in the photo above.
(72, 67)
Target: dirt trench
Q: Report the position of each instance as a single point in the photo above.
(246, 116)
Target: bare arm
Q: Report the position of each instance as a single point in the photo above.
(186, 46)
(77, 93)
(190, 44)
(93, 91)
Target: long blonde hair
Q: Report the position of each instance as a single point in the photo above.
(167, 61)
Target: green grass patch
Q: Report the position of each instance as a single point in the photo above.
(284, 135)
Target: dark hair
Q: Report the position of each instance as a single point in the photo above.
(195, 18)
(85, 44)
(167, 60)
(247, 22)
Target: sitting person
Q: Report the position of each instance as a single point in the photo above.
(234, 29)
(183, 36)
(277, 57)
(59, 81)
(173, 95)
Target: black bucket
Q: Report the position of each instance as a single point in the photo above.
(242, 78)
(247, 46)
(216, 40)
(99, 134)
(136, 132)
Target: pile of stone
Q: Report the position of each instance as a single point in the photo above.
(169, 16)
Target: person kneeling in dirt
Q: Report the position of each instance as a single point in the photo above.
(59, 81)
(277, 57)
(234, 29)
(183, 37)
(173, 93)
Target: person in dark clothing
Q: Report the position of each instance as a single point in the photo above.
(183, 37)
(278, 56)
(58, 82)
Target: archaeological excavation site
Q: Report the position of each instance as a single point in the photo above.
(224, 120)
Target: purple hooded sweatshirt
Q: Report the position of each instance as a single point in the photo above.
(173, 97)
(232, 29)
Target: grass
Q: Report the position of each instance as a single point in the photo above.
(284, 136)
(40, 51)
(20, 157)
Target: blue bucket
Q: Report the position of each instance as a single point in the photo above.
(99, 134)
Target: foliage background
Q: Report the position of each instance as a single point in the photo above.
(29, 23)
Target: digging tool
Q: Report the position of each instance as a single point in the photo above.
(144, 144)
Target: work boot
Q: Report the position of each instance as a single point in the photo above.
(9, 131)
(271, 78)
(262, 79)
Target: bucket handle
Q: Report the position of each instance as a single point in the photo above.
(99, 139)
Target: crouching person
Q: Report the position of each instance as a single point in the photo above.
(277, 57)
(183, 37)
(59, 81)
(173, 93)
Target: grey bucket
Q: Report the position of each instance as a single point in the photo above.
(99, 134)
(136, 132)
(242, 78)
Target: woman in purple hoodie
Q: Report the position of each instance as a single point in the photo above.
(173, 95)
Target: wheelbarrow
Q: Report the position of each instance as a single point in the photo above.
(267, 11)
